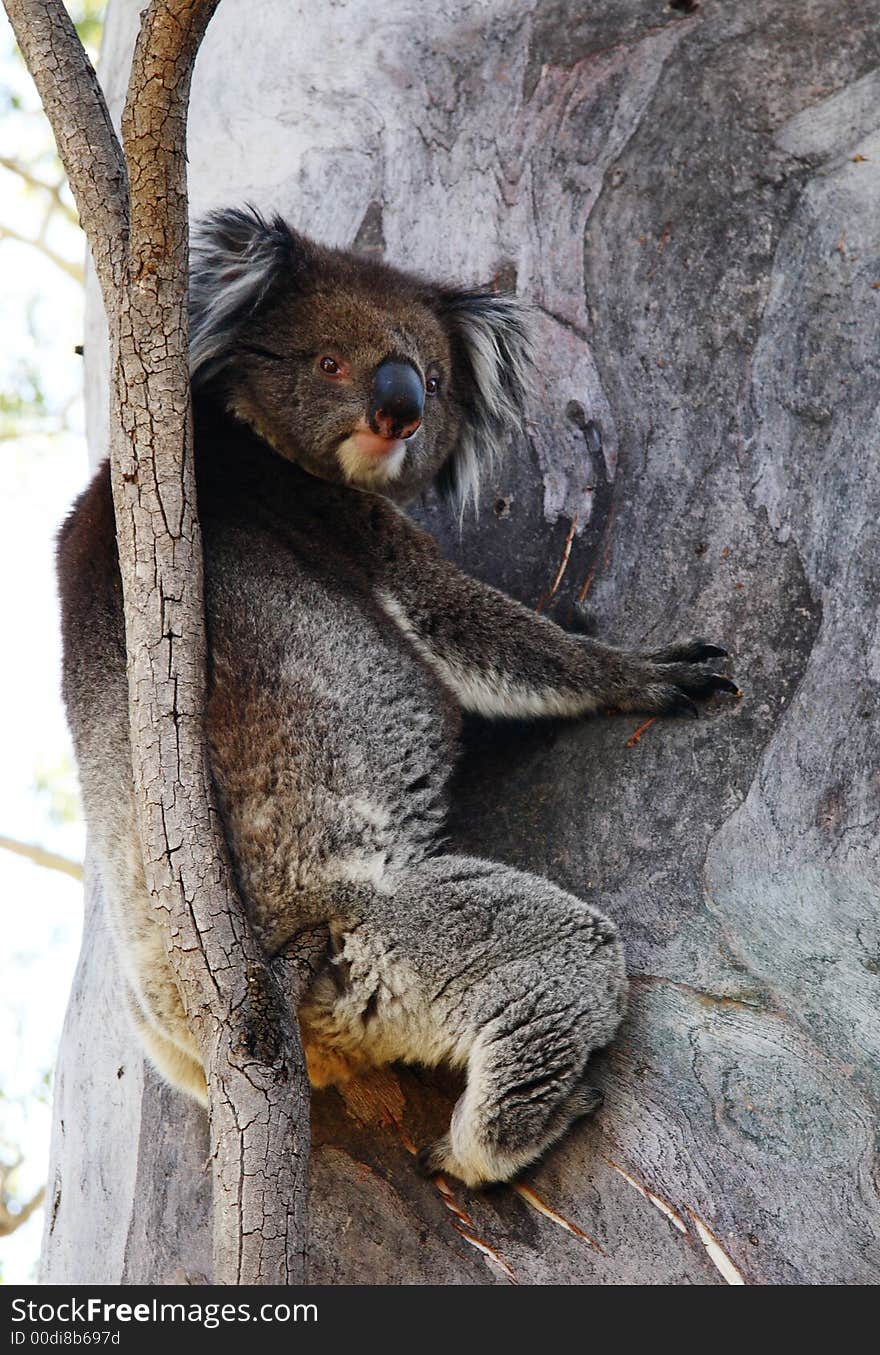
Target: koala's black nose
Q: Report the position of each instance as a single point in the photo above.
(397, 400)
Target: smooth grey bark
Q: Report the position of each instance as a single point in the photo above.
(692, 202)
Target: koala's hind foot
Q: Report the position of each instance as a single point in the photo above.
(479, 1154)
(555, 994)
(471, 963)
(526, 1088)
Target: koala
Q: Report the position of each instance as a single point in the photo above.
(328, 392)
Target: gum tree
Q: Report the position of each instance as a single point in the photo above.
(689, 196)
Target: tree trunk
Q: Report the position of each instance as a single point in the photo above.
(691, 200)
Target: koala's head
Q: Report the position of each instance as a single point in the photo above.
(356, 371)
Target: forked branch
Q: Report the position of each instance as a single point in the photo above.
(242, 1010)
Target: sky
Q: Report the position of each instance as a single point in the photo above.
(41, 472)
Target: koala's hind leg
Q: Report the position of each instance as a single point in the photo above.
(468, 962)
(150, 992)
(175, 1064)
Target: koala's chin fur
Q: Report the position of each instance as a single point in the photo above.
(342, 648)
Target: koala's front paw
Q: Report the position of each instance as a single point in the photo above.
(672, 677)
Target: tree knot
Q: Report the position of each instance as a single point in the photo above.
(264, 1017)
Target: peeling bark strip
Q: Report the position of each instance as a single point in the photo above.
(726, 1268)
(242, 1010)
(534, 1201)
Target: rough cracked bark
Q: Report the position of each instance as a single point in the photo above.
(692, 203)
(240, 1009)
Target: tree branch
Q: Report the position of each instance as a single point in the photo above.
(40, 857)
(11, 1220)
(73, 270)
(87, 143)
(241, 1009)
(34, 181)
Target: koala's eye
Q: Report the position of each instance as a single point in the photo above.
(330, 367)
(432, 385)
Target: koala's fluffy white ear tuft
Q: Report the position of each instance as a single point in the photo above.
(492, 349)
(236, 259)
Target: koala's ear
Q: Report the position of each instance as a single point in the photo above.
(492, 360)
(237, 259)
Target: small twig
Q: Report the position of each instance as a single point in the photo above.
(606, 556)
(563, 565)
(636, 736)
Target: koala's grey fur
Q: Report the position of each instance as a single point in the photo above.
(342, 648)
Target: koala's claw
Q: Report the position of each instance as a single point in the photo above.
(690, 651)
(700, 684)
(683, 673)
(720, 683)
(682, 704)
